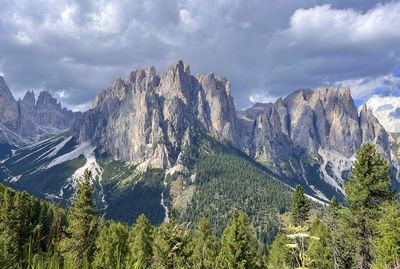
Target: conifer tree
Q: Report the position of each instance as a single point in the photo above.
(55, 233)
(238, 245)
(203, 246)
(140, 243)
(300, 207)
(346, 240)
(111, 246)
(320, 250)
(170, 245)
(79, 244)
(279, 256)
(332, 221)
(23, 227)
(9, 252)
(388, 239)
(366, 190)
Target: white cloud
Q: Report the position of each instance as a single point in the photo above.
(261, 98)
(80, 107)
(329, 28)
(107, 19)
(274, 47)
(190, 24)
(364, 87)
(386, 110)
(62, 94)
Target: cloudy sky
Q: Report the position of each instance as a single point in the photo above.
(266, 48)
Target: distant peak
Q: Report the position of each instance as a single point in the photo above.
(4, 90)
(29, 95)
(364, 107)
(178, 68)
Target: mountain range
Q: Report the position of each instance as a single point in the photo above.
(175, 141)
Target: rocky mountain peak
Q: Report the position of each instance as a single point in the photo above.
(8, 106)
(29, 98)
(5, 92)
(311, 136)
(31, 119)
(176, 81)
(46, 100)
(147, 117)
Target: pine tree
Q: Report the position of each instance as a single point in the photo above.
(170, 245)
(79, 244)
(320, 251)
(300, 207)
(203, 246)
(238, 245)
(346, 236)
(55, 233)
(388, 240)
(111, 246)
(140, 243)
(366, 190)
(23, 227)
(279, 256)
(332, 221)
(9, 252)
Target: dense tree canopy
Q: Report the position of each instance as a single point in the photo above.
(363, 233)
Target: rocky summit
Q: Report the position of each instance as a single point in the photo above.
(318, 130)
(150, 118)
(31, 119)
(309, 137)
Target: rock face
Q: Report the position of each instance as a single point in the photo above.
(8, 106)
(33, 120)
(314, 127)
(309, 137)
(150, 118)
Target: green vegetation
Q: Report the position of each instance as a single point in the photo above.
(364, 233)
(142, 195)
(35, 234)
(300, 207)
(27, 164)
(227, 181)
(78, 245)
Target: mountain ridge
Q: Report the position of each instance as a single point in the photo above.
(309, 137)
(33, 119)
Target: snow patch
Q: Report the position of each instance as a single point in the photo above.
(57, 148)
(319, 193)
(87, 150)
(84, 149)
(15, 178)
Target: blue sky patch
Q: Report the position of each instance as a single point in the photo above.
(396, 73)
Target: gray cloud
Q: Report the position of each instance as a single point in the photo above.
(267, 48)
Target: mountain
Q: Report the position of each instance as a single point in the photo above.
(32, 119)
(175, 141)
(148, 118)
(311, 136)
